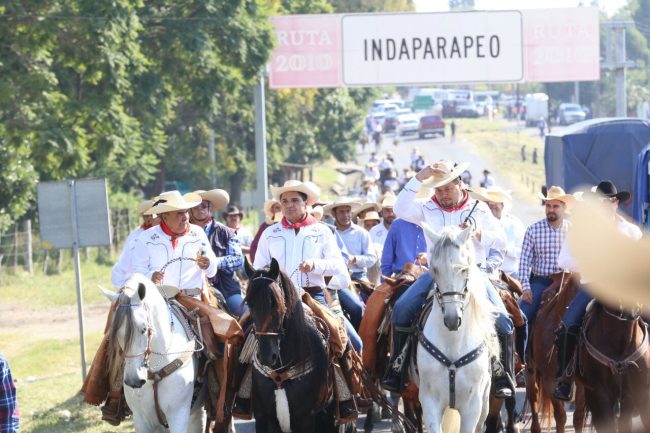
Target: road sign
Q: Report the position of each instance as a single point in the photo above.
(74, 214)
(424, 48)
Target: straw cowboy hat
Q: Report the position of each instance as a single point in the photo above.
(388, 201)
(317, 212)
(343, 201)
(172, 201)
(145, 205)
(371, 215)
(608, 189)
(445, 172)
(500, 195)
(479, 194)
(365, 207)
(616, 265)
(217, 197)
(268, 206)
(308, 188)
(557, 193)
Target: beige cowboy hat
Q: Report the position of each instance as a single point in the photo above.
(500, 195)
(371, 215)
(268, 205)
(479, 194)
(145, 205)
(616, 265)
(172, 201)
(365, 206)
(445, 172)
(217, 197)
(317, 212)
(388, 201)
(343, 201)
(308, 188)
(557, 193)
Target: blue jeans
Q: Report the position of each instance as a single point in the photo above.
(409, 305)
(353, 337)
(352, 305)
(577, 308)
(236, 304)
(537, 286)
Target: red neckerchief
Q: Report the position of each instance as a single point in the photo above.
(458, 206)
(307, 220)
(146, 226)
(165, 228)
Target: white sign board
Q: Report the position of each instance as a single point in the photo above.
(411, 48)
(74, 211)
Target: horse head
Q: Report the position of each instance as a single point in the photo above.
(267, 302)
(452, 260)
(132, 329)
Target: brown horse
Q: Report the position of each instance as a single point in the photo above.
(542, 358)
(614, 368)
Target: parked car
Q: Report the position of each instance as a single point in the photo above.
(431, 124)
(570, 113)
(407, 124)
(391, 118)
(467, 109)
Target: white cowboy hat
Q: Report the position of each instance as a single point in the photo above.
(371, 215)
(308, 188)
(615, 264)
(217, 197)
(388, 201)
(445, 172)
(500, 195)
(317, 212)
(364, 207)
(479, 194)
(342, 201)
(268, 205)
(557, 193)
(172, 201)
(145, 205)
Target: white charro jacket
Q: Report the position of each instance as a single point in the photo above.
(429, 212)
(122, 269)
(290, 249)
(153, 249)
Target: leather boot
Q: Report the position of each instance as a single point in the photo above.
(115, 409)
(565, 343)
(504, 378)
(396, 374)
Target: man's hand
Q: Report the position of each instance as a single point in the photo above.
(307, 266)
(203, 262)
(352, 260)
(157, 277)
(527, 296)
(421, 258)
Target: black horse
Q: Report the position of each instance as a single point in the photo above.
(291, 364)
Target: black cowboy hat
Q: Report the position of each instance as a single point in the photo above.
(608, 189)
(233, 210)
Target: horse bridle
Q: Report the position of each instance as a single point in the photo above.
(265, 333)
(147, 352)
(455, 296)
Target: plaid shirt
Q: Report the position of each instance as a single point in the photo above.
(540, 250)
(234, 259)
(8, 401)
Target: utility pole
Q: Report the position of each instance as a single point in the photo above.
(615, 59)
(260, 145)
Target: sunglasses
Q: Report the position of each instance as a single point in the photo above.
(204, 205)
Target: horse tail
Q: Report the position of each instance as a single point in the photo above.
(450, 421)
(545, 404)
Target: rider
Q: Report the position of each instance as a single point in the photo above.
(122, 269)
(450, 205)
(540, 249)
(405, 243)
(379, 232)
(569, 329)
(360, 255)
(225, 245)
(307, 251)
(273, 213)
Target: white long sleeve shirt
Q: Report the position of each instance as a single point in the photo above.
(429, 212)
(122, 269)
(514, 231)
(153, 250)
(290, 249)
(357, 242)
(378, 235)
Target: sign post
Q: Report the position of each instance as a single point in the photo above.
(60, 205)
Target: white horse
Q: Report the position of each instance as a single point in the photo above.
(459, 330)
(142, 328)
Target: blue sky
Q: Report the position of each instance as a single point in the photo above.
(609, 6)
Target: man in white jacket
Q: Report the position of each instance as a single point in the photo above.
(450, 205)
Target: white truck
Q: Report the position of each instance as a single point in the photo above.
(536, 108)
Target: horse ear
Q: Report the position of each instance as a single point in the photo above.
(248, 267)
(275, 269)
(142, 291)
(464, 235)
(430, 233)
(112, 296)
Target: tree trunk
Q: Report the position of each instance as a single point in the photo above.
(236, 182)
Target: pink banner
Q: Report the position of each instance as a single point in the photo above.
(308, 52)
(561, 44)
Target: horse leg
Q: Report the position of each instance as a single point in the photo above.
(602, 412)
(580, 412)
(642, 400)
(559, 413)
(433, 418)
(532, 391)
(511, 404)
(492, 420)
(198, 419)
(368, 424)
